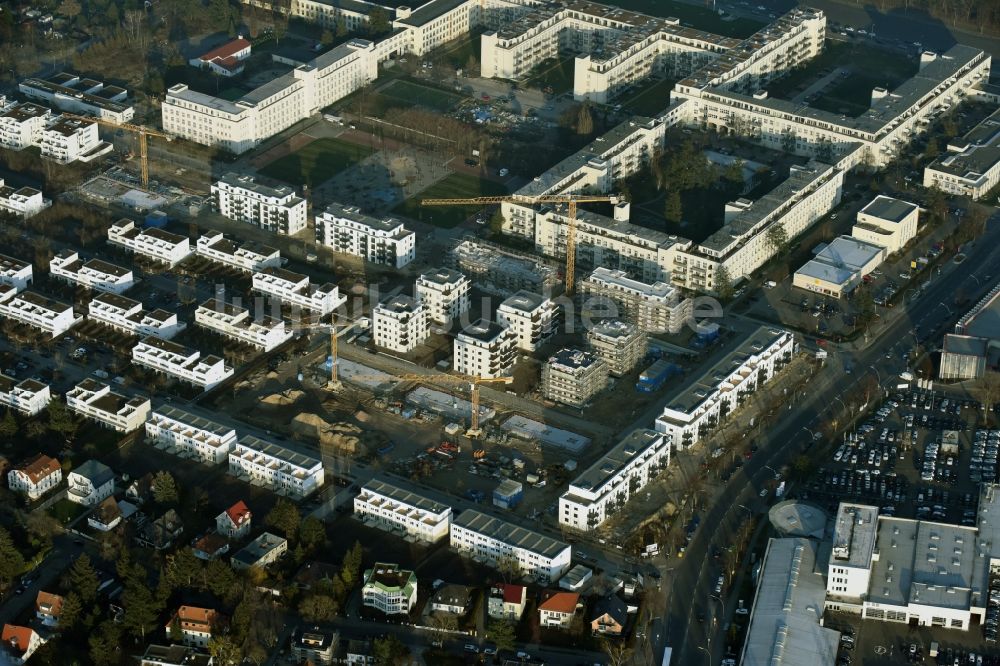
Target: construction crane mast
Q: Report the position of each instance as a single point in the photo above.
(570, 199)
(472, 381)
(139, 130)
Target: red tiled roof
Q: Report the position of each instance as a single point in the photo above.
(513, 594)
(18, 638)
(559, 602)
(48, 603)
(225, 55)
(239, 513)
(195, 618)
(39, 467)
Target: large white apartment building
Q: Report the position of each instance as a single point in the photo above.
(400, 324)
(273, 208)
(242, 255)
(23, 201)
(620, 344)
(71, 139)
(703, 402)
(394, 509)
(614, 47)
(389, 589)
(21, 125)
(156, 244)
(971, 165)
(236, 323)
(189, 436)
(378, 240)
(484, 349)
(294, 289)
(493, 541)
(128, 316)
(532, 318)
(445, 294)
(47, 315)
(604, 488)
(26, 396)
(239, 125)
(96, 401)
(743, 244)
(16, 273)
(274, 467)
(573, 377)
(914, 572)
(888, 222)
(69, 92)
(653, 308)
(186, 365)
(94, 274)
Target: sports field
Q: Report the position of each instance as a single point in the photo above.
(415, 93)
(316, 162)
(457, 185)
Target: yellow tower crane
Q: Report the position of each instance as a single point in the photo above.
(141, 131)
(472, 381)
(570, 199)
(334, 360)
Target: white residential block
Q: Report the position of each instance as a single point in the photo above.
(21, 125)
(156, 244)
(186, 365)
(246, 256)
(377, 240)
(97, 402)
(70, 139)
(653, 308)
(277, 209)
(274, 467)
(88, 97)
(295, 289)
(15, 272)
(128, 316)
(45, 314)
(445, 294)
(492, 541)
(92, 274)
(22, 202)
(27, 396)
(532, 318)
(189, 436)
(400, 324)
(484, 349)
(888, 222)
(236, 323)
(389, 507)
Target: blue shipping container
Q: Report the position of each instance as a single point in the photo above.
(653, 377)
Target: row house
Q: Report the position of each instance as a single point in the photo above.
(181, 363)
(96, 401)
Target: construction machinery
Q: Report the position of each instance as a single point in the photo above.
(472, 381)
(334, 360)
(572, 200)
(140, 131)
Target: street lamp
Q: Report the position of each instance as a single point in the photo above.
(745, 508)
(721, 603)
(877, 374)
(708, 654)
(776, 475)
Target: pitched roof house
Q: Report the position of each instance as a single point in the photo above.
(556, 608)
(195, 624)
(234, 522)
(20, 642)
(609, 616)
(507, 601)
(48, 607)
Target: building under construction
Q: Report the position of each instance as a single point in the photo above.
(501, 271)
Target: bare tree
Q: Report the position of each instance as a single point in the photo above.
(619, 654)
(988, 388)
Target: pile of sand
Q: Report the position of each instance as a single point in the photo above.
(281, 399)
(340, 437)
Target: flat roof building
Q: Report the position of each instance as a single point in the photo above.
(17, 273)
(620, 344)
(189, 436)
(69, 92)
(153, 243)
(653, 308)
(236, 323)
(96, 401)
(181, 363)
(533, 318)
(276, 208)
(445, 294)
(390, 507)
(243, 255)
(400, 324)
(23, 202)
(274, 467)
(888, 222)
(491, 541)
(27, 396)
(974, 346)
(839, 267)
(484, 349)
(128, 316)
(47, 315)
(971, 165)
(295, 290)
(573, 377)
(94, 274)
(384, 241)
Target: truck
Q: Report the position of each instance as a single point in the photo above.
(652, 378)
(906, 376)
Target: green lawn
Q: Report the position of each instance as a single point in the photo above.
(699, 17)
(651, 99)
(458, 52)
(556, 73)
(316, 163)
(65, 511)
(456, 185)
(415, 93)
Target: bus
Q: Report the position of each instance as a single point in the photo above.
(666, 656)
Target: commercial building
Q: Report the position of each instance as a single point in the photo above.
(16, 273)
(226, 60)
(96, 401)
(242, 255)
(26, 396)
(71, 139)
(90, 483)
(619, 344)
(385, 241)
(445, 294)
(234, 322)
(971, 165)
(496, 542)
(91, 274)
(47, 315)
(389, 507)
(274, 467)
(573, 377)
(499, 270)
(653, 308)
(389, 589)
(484, 349)
(156, 244)
(839, 267)
(241, 124)
(604, 488)
(974, 346)
(914, 571)
(532, 318)
(23, 201)
(277, 209)
(786, 616)
(400, 324)
(180, 362)
(68, 92)
(888, 222)
(128, 316)
(21, 125)
(704, 401)
(263, 551)
(189, 436)
(35, 476)
(294, 289)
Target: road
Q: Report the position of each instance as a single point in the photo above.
(791, 434)
(64, 551)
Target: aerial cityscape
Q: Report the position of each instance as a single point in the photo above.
(499, 332)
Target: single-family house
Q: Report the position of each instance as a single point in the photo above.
(48, 608)
(506, 602)
(609, 616)
(557, 608)
(211, 546)
(20, 643)
(193, 625)
(90, 483)
(234, 522)
(454, 599)
(106, 517)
